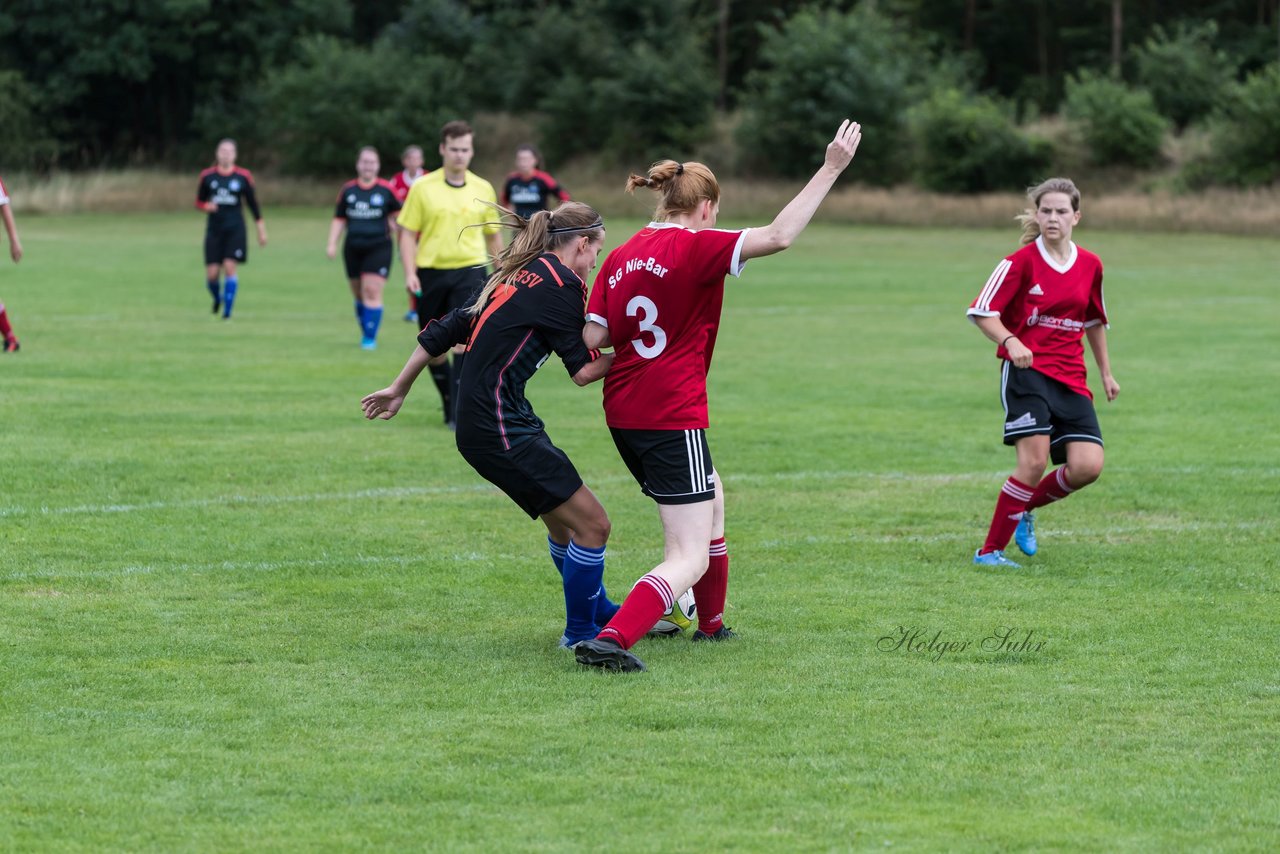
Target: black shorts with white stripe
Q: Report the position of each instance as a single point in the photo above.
(671, 466)
(1037, 404)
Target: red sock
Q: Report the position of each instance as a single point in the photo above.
(1054, 487)
(710, 590)
(5, 329)
(1009, 506)
(640, 611)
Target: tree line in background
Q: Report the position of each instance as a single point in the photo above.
(958, 95)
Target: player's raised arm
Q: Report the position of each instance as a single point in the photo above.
(788, 224)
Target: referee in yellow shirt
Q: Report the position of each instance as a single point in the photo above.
(448, 267)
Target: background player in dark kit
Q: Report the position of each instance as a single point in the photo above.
(366, 209)
(223, 187)
(528, 189)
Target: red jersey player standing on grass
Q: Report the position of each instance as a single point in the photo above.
(1037, 305)
(223, 187)
(657, 299)
(15, 252)
(411, 159)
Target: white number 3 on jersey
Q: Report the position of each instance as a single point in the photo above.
(648, 312)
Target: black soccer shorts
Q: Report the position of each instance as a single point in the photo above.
(1035, 404)
(368, 258)
(535, 474)
(671, 466)
(221, 244)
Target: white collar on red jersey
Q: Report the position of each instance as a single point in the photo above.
(1048, 259)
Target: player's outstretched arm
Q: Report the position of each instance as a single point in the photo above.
(594, 370)
(385, 403)
(1097, 336)
(788, 224)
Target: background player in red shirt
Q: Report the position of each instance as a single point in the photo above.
(528, 189)
(657, 298)
(222, 188)
(411, 159)
(15, 252)
(366, 209)
(1036, 306)
(530, 307)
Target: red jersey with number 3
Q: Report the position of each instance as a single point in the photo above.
(1048, 306)
(660, 295)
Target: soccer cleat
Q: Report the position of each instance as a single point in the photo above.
(995, 558)
(368, 343)
(721, 634)
(411, 317)
(607, 655)
(11, 345)
(1025, 534)
(217, 304)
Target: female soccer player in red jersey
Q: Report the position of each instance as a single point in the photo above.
(222, 188)
(657, 298)
(366, 209)
(531, 306)
(1037, 305)
(15, 252)
(411, 160)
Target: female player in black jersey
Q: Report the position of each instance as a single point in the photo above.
(366, 209)
(528, 189)
(532, 305)
(222, 188)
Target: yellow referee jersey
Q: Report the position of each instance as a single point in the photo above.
(440, 213)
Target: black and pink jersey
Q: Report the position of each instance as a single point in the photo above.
(366, 210)
(1048, 306)
(527, 196)
(227, 191)
(538, 311)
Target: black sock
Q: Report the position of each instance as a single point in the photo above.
(440, 375)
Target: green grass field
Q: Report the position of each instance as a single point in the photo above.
(234, 615)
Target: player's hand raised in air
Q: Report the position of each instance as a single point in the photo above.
(382, 404)
(840, 150)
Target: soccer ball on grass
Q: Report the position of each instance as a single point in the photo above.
(680, 617)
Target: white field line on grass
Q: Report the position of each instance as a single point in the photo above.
(823, 476)
(413, 491)
(409, 561)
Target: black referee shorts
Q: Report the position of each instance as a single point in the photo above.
(445, 290)
(535, 474)
(221, 244)
(367, 258)
(671, 466)
(1035, 404)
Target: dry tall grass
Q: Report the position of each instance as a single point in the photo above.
(1246, 212)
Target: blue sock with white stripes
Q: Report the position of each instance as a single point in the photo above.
(583, 570)
(557, 555)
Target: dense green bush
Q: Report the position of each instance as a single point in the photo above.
(967, 144)
(823, 66)
(630, 81)
(25, 142)
(335, 98)
(1183, 71)
(1245, 135)
(1120, 125)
